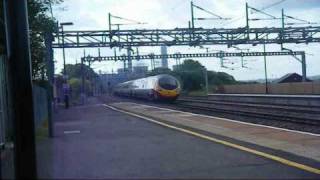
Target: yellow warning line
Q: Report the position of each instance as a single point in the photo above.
(226, 143)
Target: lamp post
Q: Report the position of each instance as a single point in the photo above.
(63, 52)
(265, 68)
(66, 87)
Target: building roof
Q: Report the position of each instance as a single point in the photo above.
(290, 77)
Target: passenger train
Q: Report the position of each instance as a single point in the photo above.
(160, 87)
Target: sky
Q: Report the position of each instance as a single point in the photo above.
(166, 14)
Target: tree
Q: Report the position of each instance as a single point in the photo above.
(74, 71)
(75, 85)
(159, 70)
(75, 78)
(220, 78)
(40, 23)
(191, 75)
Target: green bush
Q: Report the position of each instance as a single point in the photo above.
(75, 85)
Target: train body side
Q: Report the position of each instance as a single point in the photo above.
(160, 87)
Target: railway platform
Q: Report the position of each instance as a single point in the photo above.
(99, 141)
(299, 143)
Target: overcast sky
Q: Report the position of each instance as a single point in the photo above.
(92, 15)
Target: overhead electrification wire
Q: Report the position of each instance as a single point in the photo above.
(262, 9)
(126, 19)
(262, 12)
(297, 19)
(216, 17)
(272, 5)
(200, 8)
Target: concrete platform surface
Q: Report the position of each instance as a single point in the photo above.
(302, 144)
(96, 142)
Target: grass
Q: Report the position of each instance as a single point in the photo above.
(42, 132)
(197, 93)
(201, 92)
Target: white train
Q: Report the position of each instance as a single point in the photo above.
(160, 87)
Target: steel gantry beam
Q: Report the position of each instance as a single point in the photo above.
(190, 55)
(221, 54)
(186, 37)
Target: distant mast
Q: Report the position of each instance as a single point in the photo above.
(164, 60)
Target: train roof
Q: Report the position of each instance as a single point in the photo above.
(131, 81)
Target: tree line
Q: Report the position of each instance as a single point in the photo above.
(191, 75)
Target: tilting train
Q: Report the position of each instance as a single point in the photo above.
(160, 87)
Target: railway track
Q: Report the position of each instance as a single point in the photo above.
(303, 124)
(309, 115)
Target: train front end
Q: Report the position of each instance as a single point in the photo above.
(168, 88)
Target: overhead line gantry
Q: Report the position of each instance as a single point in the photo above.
(194, 36)
(191, 55)
(186, 37)
(220, 55)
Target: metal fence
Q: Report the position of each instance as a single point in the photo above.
(308, 88)
(39, 98)
(40, 103)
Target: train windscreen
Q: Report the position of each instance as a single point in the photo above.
(168, 83)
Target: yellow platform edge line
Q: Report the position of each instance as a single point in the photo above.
(226, 143)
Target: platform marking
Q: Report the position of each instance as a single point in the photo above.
(231, 120)
(267, 95)
(71, 132)
(226, 143)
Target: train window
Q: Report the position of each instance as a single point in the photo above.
(168, 83)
